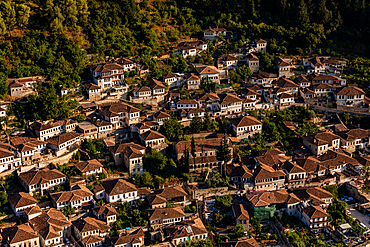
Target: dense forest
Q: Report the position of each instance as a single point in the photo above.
(53, 37)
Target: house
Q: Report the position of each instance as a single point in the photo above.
(210, 101)
(126, 63)
(120, 114)
(328, 79)
(90, 231)
(266, 178)
(140, 128)
(260, 44)
(214, 33)
(261, 204)
(205, 153)
(271, 157)
(142, 93)
(173, 80)
(285, 99)
(156, 201)
(187, 104)
(322, 90)
(208, 73)
(311, 165)
(261, 78)
(47, 130)
(245, 127)
(307, 93)
(240, 215)
(161, 116)
(153, 139)
(164, 216)
(118, 190)
(28, 148)
(354, 139)
(295, 175)
(302, 81)
(129, 154)
(106, 213)
(227, 62)
(40, 181)
(240, 175)
(286, 84)
(19, 235)
(314, 65)
(158, 89)
(199, 44)
(108, 75)
(104, 128)
(316, 195)
(88, 130)
(283, 66)
(249, 93)
(314, 217)
(21, 201)
(337, 161)
(253, 62)
(349, 96)
(174, 194)
(89, 167)
(185, 50)
(80, 196)
(52, 227)
(192, 81)
(32, 212)
(229, 104)
(249, 104)
(242, 242)
(17, 89)
(93, 91)
(188, 230)
(133, 239)
(64, 143)
(320, 143)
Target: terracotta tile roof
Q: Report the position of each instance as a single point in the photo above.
(92, 239)
(282, 62)
(363, 160)
(21, 199)
(240, 212)
(185, 229)
(40, 126)
(332, 159)
(63, 138)
(18, 234)
(89, 165)
(116, 109)
(165, 213)
(263, 171)
(107, 67)
(35, 177)
(134, 237)
(350, 90)
(120, 148)
(161, 115)
(323, 86)
(151, 135)
(290, 167)
(240, 243)
(309, 164)
(321, 138)
(252, 57)
(143, 191)
(261, 198)
(91, 86)
(314, 212)
(155, 84)
(171, 192)
(270, 160)
(301, 79)
(315, 61)
(33, 210)
(201, 144)
(142, 89)
(236, 170)
(187, 101)
(121, 60)
(196, 111)
(71, 196)
(209, 96)
(191, 77)
(106, 210)
(273, 151)
(244, 121)
(285, 83)
(90, 224)
(171, 75)
(228, 98)
(307, 91)
(286, 96)
(249, 91)
(207, 70)
(155, 199)
(118, 186)
(325, 78)
(313, 194)
(281, 196)
(261, 75)
(259, 41)
(293, 199)
(227, 57)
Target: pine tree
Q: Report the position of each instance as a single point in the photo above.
(207, 123)
(223, 151)
(70, 13)
(57, 24)
(50, 10)
(8, 14)
(196, 124)
(83, 11)
(193, 148)
(185, 160)
(3, 30)
(23, 15)
(302, 14)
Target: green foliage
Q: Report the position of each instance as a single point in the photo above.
(224, 201)
(68, 210)
(215, 180)
(190, 209)
(197, 243)
(129, 216)
(196, 124)
(45, 105)
(3, 198)
(223, 151)
(91, 187)
(70, 171)
(256, 224)
(80, 118)
(145, 180)
(41, 198)
(93, 146)
(172, 129)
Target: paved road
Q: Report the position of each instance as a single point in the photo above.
(357, 215)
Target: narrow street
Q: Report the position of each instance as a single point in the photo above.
(357, 215)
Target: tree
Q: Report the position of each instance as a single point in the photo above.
(256, 223)
(70, 13)
(193, 148)
(57, 23)
(224, 201)
(3, 198)
(80, 118)
(185, 160)
(223, 151)
(23, 15)
(207, 123)
(8, 14)
(3, 30)
(196, 124)
(68, 210)
(83, 11)
(172, 129)
(302, 14)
